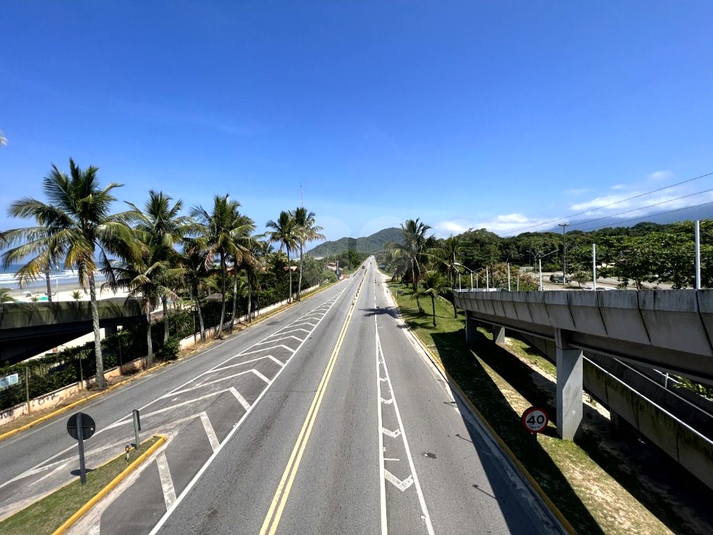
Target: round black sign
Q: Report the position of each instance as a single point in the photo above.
(88, 426)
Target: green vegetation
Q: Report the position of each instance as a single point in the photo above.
(367, 245)
(48, 514)
(501, 386)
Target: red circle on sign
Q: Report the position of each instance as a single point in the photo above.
(535, 419)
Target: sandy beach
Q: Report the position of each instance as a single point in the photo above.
(63, 292)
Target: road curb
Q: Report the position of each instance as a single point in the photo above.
(504, 447)
(66, 408)
(57, 412)
(113, 483)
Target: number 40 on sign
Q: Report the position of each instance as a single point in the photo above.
(535, 419)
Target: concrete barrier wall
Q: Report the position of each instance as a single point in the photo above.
(55, 398)
(679, 320)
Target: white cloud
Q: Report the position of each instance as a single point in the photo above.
(601, 202)
(501, 225)
(658, 176)
(618, 186)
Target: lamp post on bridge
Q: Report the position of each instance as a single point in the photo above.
(564, 251)
(539, 261)
(469, 270)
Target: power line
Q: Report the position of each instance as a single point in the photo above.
(613, 203)
(641, 208)
(656, 214)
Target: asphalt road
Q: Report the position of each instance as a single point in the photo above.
(328, 418)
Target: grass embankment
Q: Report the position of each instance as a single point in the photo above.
(502, 384)
(48, 514)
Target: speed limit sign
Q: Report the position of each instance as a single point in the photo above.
(535, 419)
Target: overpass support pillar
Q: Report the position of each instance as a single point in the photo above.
(471, 329)
(569, 387)
(499, 335)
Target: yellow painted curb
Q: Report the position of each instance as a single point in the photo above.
(113, 483)
(555, 511)
(55, 413)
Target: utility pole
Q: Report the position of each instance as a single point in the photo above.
(564, 251)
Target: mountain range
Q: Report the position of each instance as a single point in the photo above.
(369, 244)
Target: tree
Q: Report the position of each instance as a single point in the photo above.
(307, 231)
(144, 272)
(78, 214)
(162, 227)
(414, 247)
(433, 285)
(5, 296)
(285, 233)
(219, 233)
(242, 253)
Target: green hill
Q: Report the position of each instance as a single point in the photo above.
(369, 244)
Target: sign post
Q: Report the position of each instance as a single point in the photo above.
(535, 420)
(81, 427)
(137, 427)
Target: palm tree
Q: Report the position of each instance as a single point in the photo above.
(5, 296)
(448, 256)
(307, 231)
(434, 285)
(196, 264)
(144, 272)
(285, 233)
(242, 254)
(219, 230)
(161, 225)
(414, 247)
(78, 214)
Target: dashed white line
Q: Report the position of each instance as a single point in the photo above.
(392, 434)
(401, 485)
(240, 398)
(261, 376)
(212, 437)
(169, 493)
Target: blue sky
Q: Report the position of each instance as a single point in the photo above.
(495, 114)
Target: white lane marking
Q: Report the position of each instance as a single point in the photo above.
(240, 398)
(165, 409)
(276, 339)
(169, 493)
(382, 378)
(210, 460)
(276, 361)
(392, 459)
(401, 485)
(387, 401)
(50, 473)
(94, 529)
(210, 383)
(261, 376)
(421, 499)
(392, 434)
(212, 437)
(382, 485)
(269, 348)
(122, 421)
(289, 331)
(223, 368)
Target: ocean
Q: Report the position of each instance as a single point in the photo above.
(58, 276)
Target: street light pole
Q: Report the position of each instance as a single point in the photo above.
(564, 251)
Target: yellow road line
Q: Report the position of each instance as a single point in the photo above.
(277, 505)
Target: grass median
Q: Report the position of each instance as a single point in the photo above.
(502, 383)
(48, 514)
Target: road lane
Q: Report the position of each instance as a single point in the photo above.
(390, 449)
(47, 453)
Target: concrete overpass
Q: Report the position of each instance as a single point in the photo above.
(666, 329)
(669, 330)
(27, 329)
